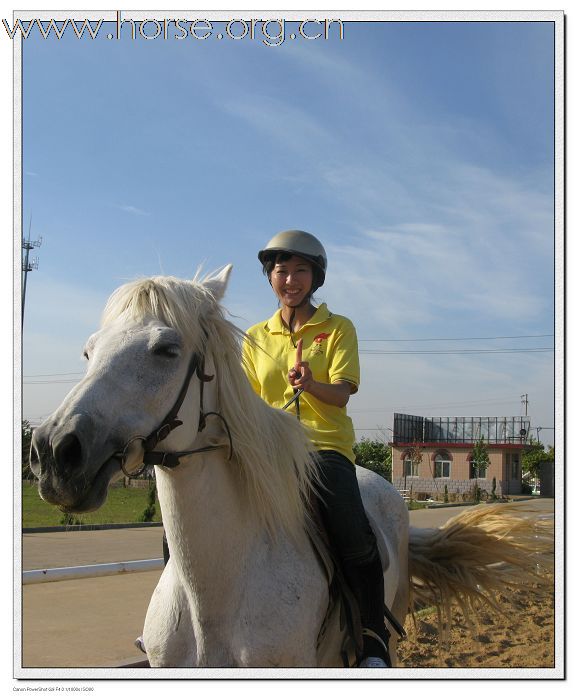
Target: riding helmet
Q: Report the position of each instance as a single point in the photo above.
(300, 243)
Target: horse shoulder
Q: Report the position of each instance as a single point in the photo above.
(283, 605)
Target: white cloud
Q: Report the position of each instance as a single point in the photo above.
(133, 210)
(288, 125)
(59, 317)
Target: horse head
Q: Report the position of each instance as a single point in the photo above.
(138, 365)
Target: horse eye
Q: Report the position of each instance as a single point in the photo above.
(166, 351)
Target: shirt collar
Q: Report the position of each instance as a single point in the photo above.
(275, 324)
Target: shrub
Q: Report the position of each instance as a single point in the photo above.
(70, 519)
(494, 489)
(26, 440)
(150, 510)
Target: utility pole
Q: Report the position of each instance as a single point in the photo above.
(28, 265)
(525, 400)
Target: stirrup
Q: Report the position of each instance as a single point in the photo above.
(374, 661)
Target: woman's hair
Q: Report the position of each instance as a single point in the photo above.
(275, 257)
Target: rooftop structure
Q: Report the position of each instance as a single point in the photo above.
(409, 429)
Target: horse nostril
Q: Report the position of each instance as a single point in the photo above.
(39, 452)
(35, 465)
(68, 452)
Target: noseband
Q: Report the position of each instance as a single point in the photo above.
(171, 421)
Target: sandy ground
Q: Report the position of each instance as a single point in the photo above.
(93, 622)
(522, 637)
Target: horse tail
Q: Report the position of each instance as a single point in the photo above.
(476, 555)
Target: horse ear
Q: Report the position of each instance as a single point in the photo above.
(219, 282)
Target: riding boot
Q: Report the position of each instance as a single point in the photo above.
(367, 584)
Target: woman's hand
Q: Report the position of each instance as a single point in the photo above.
(301, 377)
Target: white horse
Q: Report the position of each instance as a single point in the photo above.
(243, 586)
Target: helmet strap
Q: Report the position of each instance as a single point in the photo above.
(292, 319)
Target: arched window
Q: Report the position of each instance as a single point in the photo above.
(443, 461)
(410, 468)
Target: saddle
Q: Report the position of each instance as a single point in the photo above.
(341, 597)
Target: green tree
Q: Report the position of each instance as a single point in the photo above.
(374, 455)
(480, 459)
(26, 440)
(534, 454)
(479, 464)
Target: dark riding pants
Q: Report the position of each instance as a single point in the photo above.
(342, 509)
(353, 541)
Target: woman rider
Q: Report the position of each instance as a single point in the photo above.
(327, 371)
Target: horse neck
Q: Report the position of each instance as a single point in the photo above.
(205, 517)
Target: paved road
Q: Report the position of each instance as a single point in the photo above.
(42, 550)
(93, 622)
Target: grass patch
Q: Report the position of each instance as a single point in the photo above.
(123, 505)
(423, 612)
(415, 505)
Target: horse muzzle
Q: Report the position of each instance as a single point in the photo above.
(72, 468)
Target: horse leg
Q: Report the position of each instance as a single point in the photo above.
(394, 548)
(168, 633)
(397, 580)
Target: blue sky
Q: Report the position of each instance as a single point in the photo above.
(420, 153)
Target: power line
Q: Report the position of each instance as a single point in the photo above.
(380, 429)
(436, 405)
(53, 374)
(455, 352)
(54, 381)
(369, 352)
(416, 340)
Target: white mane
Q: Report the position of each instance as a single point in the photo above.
(270, 446)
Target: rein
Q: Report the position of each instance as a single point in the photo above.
(170, 422)
(294, 398)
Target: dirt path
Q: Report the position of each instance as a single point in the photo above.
(521, 638)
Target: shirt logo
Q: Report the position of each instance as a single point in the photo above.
(317, 348)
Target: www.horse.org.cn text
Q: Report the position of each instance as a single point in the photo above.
(271, 32)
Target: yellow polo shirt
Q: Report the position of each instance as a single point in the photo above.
(330, 347)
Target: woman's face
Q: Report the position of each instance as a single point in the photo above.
(292, 280)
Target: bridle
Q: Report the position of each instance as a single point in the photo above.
(170, 422)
